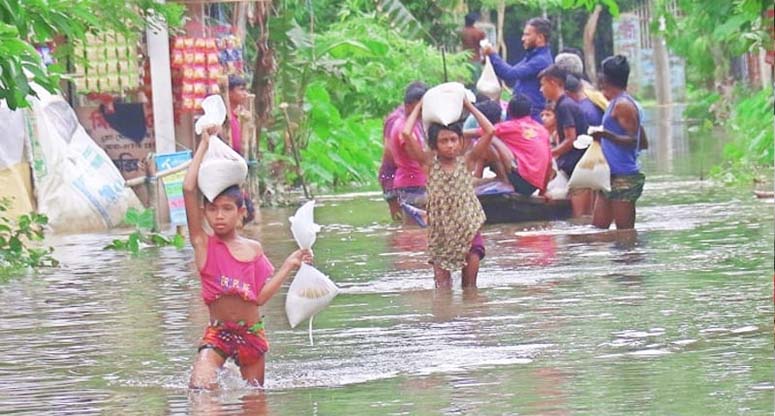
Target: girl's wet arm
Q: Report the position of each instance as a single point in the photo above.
(291, 263)
(191, 198)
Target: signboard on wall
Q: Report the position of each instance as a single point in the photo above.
(124, 135)
(173, 184)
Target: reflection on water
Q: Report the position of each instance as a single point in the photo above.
(674, 318)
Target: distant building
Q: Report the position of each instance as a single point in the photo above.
(632, 38)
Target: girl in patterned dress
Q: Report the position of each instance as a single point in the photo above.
(454, 212)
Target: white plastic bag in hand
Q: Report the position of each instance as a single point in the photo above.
(488, 83)
(215, 113)
(557, 188)
(444, 103)
(221, 168)
(310, 292)
(303, 225)
(592, 171)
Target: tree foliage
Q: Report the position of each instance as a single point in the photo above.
(26, 23)
(16, 241)
(143, 235)
(338, 85)
(709, 34)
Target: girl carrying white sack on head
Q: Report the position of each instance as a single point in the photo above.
(236, 277)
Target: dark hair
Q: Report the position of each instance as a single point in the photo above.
(572, 83)
(480, 98)
(542, 26)
(555, 72)
(414, 92)
(436, 128)
(240, 198)
(236, 81)
(519, 106)
(491, 109)
(616, 70)
(233, 192)
(471, 18)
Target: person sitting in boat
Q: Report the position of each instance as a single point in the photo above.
(410, 179)
(493, 159)
(528, 160)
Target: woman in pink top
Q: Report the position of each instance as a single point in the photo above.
(236, 279)
(410, 179)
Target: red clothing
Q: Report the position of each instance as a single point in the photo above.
(246, 345)
(409, 172)
(529, 142)
(222, 274)
(236, 132)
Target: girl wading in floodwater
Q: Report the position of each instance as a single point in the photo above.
(236, 279)
(454, 212)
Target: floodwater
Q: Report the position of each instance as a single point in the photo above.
(674, 319)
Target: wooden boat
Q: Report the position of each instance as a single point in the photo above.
(513, 207)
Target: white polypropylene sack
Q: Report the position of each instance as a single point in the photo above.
(221, 168)
(310, 292)
(215, 113)
(443, 103)
(557, 188)
(488, 83)
(592, 171)
(303, 225)
(77, 185)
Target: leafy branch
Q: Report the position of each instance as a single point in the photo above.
(142, 236)
(15, 237)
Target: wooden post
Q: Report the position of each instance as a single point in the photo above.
(161, 82)
(249, 140)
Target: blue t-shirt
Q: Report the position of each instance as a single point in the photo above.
(568, 114)
(524, 75)
(592, 113)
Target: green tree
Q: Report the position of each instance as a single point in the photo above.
(26, 23)
(709, 34)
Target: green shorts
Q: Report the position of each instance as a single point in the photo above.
(626, 187)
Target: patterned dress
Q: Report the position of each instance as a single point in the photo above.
(454, 215)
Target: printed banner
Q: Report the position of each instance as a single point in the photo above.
(173, 184)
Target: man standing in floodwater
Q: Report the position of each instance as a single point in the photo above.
(524, 75)
(621, 139)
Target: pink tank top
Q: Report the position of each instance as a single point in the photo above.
(222, 274)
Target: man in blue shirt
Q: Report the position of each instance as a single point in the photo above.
(524, 75)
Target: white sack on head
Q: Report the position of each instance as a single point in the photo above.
(443, 103)
(303, 225)
(310, 292)
(488, 83)
(215, 113)
(221, 168)
(592, 171)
